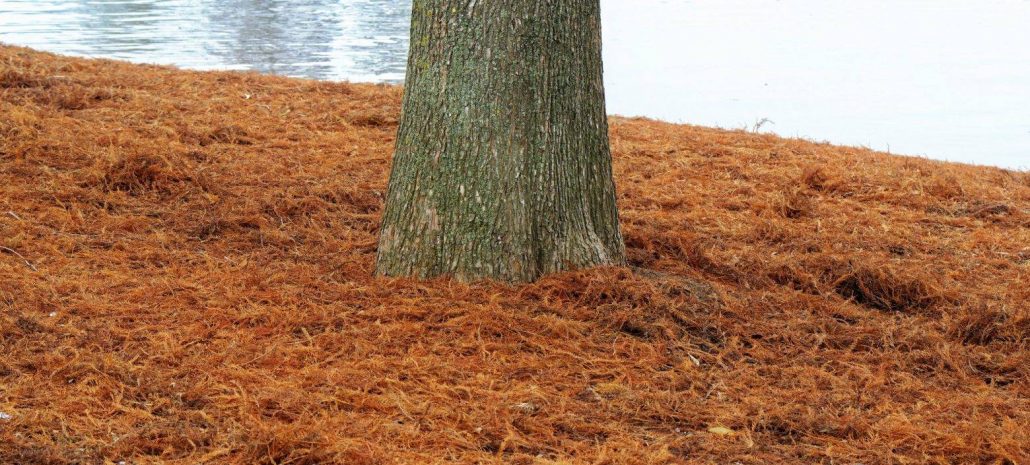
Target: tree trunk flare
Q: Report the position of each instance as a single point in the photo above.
(502, 168)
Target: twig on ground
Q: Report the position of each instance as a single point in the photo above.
(22, 257)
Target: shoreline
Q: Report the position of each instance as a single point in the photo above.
(810, 139)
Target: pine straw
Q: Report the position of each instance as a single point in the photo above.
(186, 278)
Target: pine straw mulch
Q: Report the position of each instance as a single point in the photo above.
(185, 265)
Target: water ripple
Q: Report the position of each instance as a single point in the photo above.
(355, 40)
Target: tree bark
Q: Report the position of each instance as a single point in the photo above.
(502, 168)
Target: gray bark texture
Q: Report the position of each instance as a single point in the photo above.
(502, 168)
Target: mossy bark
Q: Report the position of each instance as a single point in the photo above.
(502, 168)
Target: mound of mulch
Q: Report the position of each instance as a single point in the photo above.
(185, 277)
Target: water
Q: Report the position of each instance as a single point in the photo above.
(357, 40)
(948, 80)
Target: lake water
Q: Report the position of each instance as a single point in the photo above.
(943, 79)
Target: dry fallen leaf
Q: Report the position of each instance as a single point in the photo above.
(721, 431)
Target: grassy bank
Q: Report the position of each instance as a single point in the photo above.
(185, 277)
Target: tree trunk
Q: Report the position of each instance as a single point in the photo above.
(502, 168)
